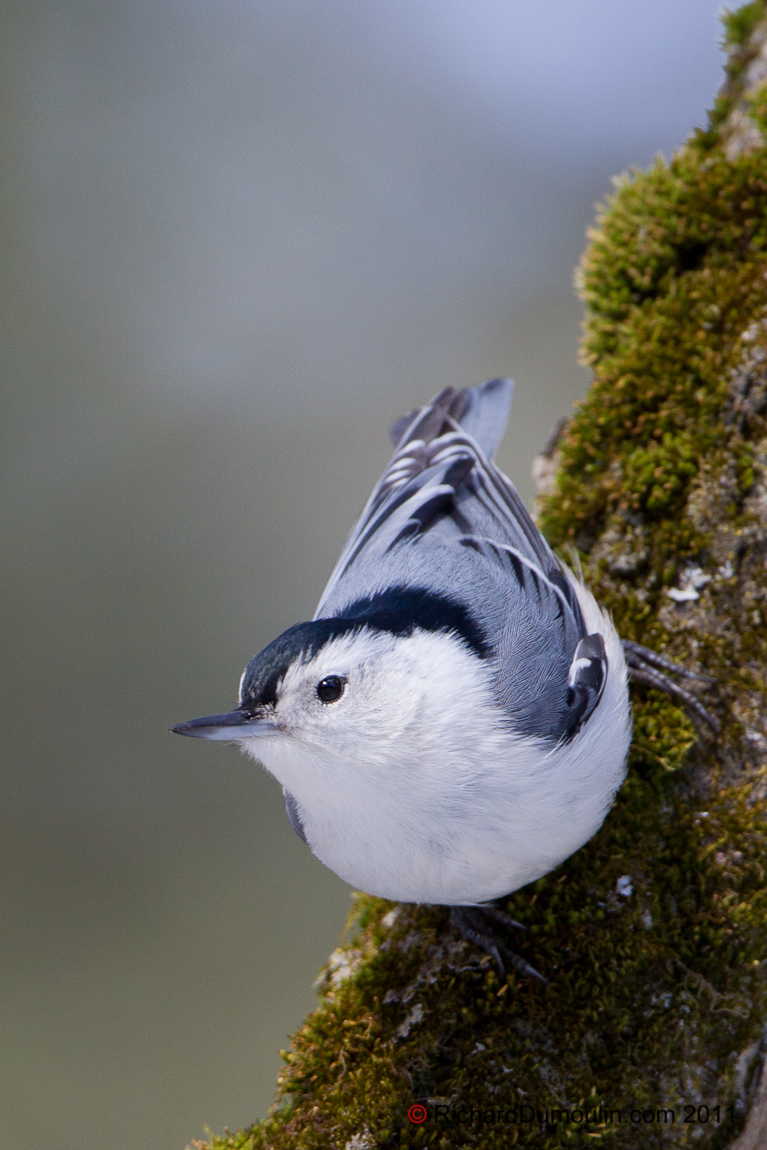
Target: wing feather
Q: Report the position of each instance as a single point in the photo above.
(440, 473)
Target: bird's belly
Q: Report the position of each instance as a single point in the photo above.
(455, 859)
(433, 877)
(457, 822)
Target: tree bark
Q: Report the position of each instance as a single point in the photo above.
(651, 1030)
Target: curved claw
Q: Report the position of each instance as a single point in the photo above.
(645, 655)
(468, 920)
(644, 667)
(501, 916)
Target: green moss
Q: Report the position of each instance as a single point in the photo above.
(742, 47)
(739, 25)
(656, 996)
(757, 102)
(673, 275)
(663, 735)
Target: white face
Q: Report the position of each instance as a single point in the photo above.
(406, 704)
(362, 686)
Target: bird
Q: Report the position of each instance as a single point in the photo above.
(454, 722)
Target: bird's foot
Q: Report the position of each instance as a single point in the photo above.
(645, 666)
(471, 922)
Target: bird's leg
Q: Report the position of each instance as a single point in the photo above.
(645, 666)
(472, 926)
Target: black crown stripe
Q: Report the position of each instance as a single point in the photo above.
(398, 611)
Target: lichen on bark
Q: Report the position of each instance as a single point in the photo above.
(654, 935)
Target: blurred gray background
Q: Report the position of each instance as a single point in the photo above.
(238, 240)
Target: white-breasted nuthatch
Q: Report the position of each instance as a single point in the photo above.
(454, 722)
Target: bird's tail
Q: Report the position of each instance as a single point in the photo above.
(482, 411)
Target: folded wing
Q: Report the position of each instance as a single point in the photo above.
(442, 488)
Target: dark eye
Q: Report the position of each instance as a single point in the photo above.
(330, 688)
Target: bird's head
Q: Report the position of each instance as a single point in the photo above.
(312, 681)
(350, 690)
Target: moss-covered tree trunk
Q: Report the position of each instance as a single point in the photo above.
(654, 935)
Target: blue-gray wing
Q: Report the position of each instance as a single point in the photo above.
(443, 513)
(441, 468)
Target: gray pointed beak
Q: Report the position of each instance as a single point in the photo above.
(227, 728)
